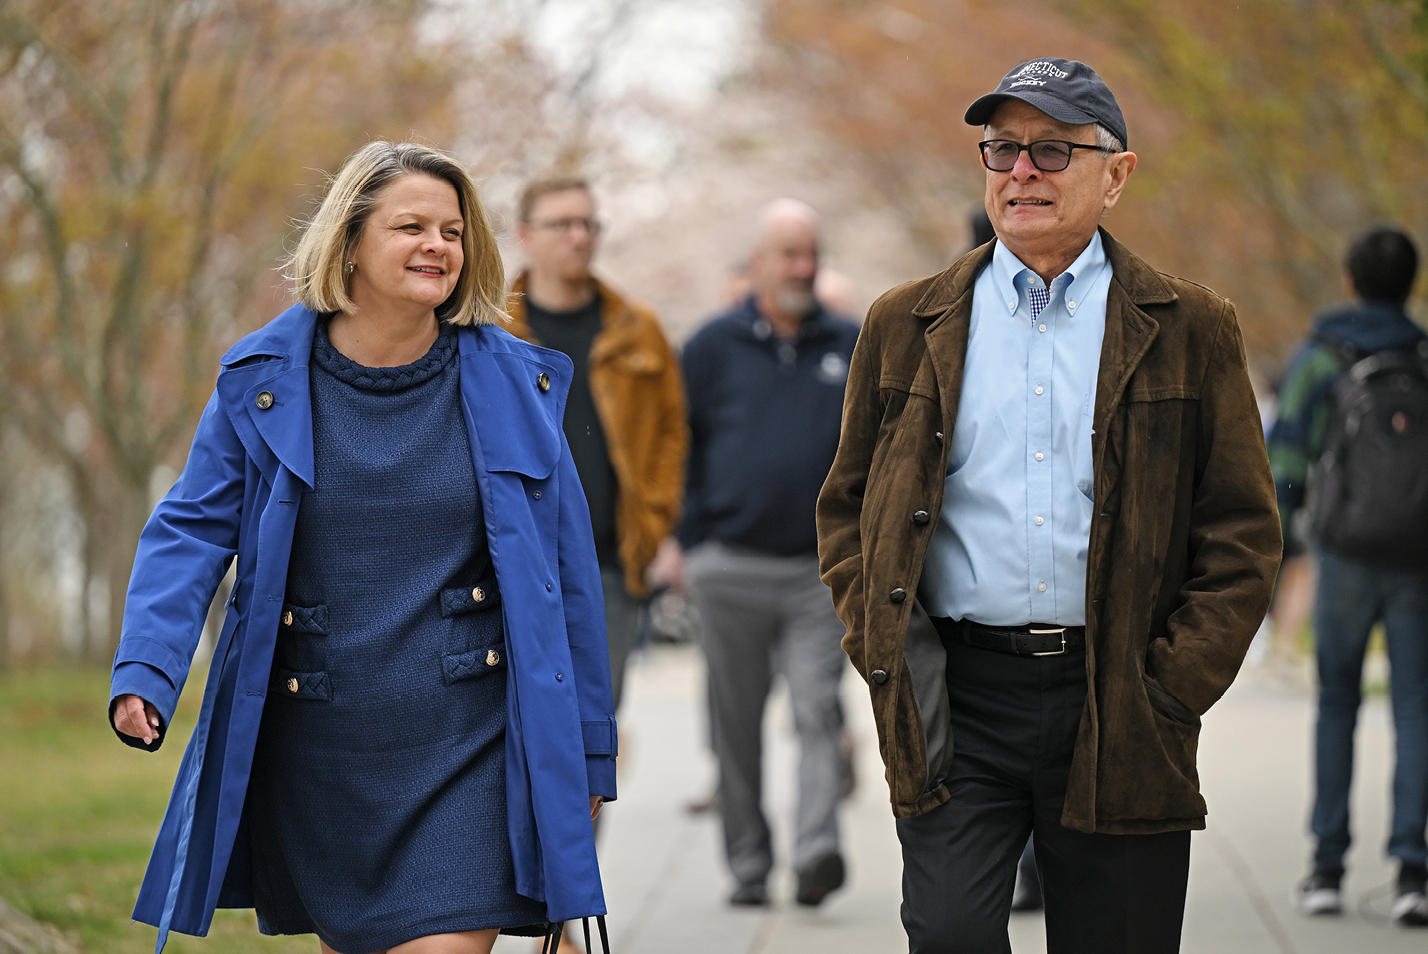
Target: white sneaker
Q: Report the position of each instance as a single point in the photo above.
(1410, 908)
(1318, 894)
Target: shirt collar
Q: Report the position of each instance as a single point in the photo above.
(1011, 277)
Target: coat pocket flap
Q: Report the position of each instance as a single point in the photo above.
(300, 685)
(473, 663)
(456, 600)
(600, 737)
(305, 619)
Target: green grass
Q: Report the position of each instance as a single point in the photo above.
(79, 812)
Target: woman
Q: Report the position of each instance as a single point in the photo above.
(407, 726)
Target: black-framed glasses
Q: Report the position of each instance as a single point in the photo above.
(591, 226)
(1048, 155)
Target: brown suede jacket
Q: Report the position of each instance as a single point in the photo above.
(639, 395)
(1183, 553)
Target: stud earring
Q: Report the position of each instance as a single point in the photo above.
(350, 267)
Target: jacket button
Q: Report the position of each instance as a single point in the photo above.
(543, 381)
(493, 658)
(265, 400)
(922, 518)
(939, 438)
(288, 618)
(479, 595)
(879, 676)
(898, 595)
(292, 685)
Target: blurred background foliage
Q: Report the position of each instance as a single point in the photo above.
(156, 155)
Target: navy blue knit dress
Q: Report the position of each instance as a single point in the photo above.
(377, 804)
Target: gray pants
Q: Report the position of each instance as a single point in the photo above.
(622, 624)
(760, 615)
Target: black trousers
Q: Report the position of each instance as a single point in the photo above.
(1014, 725)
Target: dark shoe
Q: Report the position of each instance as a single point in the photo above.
(752, 894)
(820, 877)
(703, 805)
(1026, 896)
(1410, 906)
(1319, 893)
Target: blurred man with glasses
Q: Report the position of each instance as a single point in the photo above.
(624, 419)
(1051, 533)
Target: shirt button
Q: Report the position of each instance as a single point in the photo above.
(1039, 521)
(1011, 305)
(1041, 328)
(547, 587)
(265, 400)
(536, 495)
(543, 381)
(1038, 389)
(1041, 586)
(1038, 455)
(559, 677)
(1070, 304)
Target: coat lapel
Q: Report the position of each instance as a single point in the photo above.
(1129, 332)
(949, 303)
(276, 428)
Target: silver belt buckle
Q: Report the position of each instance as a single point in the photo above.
(1048, 632)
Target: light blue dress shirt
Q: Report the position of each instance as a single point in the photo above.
(1010, 543)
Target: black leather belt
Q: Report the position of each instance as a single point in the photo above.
(1033, 639)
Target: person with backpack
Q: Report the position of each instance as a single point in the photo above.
(1353, 433)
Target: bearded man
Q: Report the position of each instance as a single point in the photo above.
(765, 383)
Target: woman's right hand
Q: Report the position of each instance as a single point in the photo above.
(136, 718)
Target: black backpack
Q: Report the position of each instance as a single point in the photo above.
(1370, 487)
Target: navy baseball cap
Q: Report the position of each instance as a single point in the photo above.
(1068, 91)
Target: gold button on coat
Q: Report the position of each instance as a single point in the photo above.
(292, 685)
(543, 381)
(265, 400)
(479, 595)
(492, 657)
(288, 618)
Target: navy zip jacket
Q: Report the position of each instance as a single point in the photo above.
(764, 419)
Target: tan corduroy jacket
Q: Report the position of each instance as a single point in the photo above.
(1183, 550)
(639, 395)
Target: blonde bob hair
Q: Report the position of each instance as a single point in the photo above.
(318, 269)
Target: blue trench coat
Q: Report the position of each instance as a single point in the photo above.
(251, 460)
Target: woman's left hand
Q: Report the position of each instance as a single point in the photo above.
(595, 802)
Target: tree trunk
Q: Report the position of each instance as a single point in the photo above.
(130, 511)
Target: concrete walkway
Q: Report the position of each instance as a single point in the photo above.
(666, 883)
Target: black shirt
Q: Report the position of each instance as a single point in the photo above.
(573, 333)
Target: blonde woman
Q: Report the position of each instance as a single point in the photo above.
(408, 723)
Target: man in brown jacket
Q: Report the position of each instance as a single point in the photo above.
(1051, 533)
(624, 419)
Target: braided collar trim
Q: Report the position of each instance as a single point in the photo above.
(399, 378)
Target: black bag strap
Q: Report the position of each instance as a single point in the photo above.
(551, 944)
